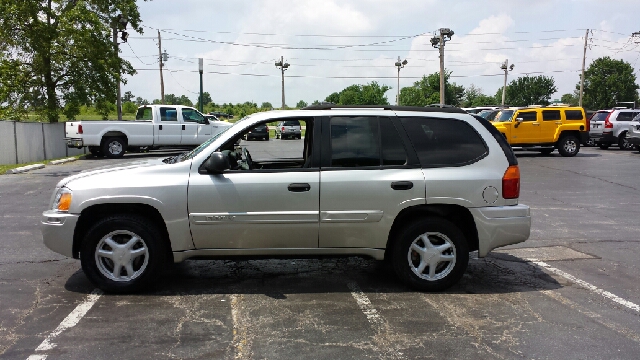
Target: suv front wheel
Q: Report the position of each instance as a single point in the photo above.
(430, 255)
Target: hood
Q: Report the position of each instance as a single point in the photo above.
(137, 164)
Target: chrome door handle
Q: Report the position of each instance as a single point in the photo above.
(401, 185)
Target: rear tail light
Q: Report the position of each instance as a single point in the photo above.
(608, 124)
(80, 129)
(511, 183)
(283, 128)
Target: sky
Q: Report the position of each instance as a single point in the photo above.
(331, 44)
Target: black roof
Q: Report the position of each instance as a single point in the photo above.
(386, 107)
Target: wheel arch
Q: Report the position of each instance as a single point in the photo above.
(114, 133)
(564, 133)
(92, 214)
(458, 215)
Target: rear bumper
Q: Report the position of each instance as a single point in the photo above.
(500, 226)
(603, 138)
(74, 143)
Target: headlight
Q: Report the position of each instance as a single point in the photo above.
(62, 201)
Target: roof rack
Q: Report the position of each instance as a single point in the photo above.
(386, 107)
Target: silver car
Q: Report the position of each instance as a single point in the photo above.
(418, 187)
(289, 129)
(633, 133)
(609, 127)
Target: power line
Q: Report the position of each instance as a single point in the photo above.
(134, 53)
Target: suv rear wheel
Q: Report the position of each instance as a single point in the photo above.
(568, 145)
(122, 253)
(430, 255)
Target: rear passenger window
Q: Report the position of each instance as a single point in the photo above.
(168, 114)
(444, 142)
(393, 152)
(354, 142)
(625, 116)
(549, 115)
(573, 115)
(527, 116)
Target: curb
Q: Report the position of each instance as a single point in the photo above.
(25, 168)
(62, 161)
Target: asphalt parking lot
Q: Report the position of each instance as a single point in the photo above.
(570, 292)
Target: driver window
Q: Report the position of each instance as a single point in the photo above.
(258, 148)
(191, 115)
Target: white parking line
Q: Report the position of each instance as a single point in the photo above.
(70, 321)
(588, 286)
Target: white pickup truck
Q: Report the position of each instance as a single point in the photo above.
(155, 126)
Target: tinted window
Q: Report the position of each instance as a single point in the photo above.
(444, 142)
(637, 117)
(192, 116)
(144, 113)
(291, 123)
(573, 115)
(548, 115)
(504, 115)
(168, 114)
(600, 116)
(506, 148)
(625, 116)
(393, 152)
(527, 116)
(354, 142)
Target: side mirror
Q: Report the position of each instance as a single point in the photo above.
(518, 121)
(217, 163)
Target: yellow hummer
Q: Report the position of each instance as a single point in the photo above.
(544, 128)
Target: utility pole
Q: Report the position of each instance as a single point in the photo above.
(438, 43)
(201, 69)
(506, 67)
(162, 57)
(119, 24)
(283, 66)
(584, 58)
(399, 65)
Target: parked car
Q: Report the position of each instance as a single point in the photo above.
(260, 132)
(478, 109)
(489, 114)
(633, 133)
(544, 128)
(288, 129)
(419, 187)
(609, 127)
(155, 126)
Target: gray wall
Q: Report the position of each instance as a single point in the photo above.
(22, 142)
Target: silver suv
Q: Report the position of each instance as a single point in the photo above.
(609, 127)
(418, 187)
(633, 133)
(289, 129)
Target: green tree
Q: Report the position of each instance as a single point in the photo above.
(333, 98)
(529, 90)
(59, 52)
(369, 94)
(570, 99)
(128, 96)
(607, 81)
(301, 104)
(129, 107)
(473, 96)
(427, 91)
(206, 99)
(266, 106)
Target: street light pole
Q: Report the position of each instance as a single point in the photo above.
(506, 67)
(399, 65)
(201, 70)
(283, 66)
(438, 43)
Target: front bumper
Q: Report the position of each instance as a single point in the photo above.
(57, 231)
(500, 226)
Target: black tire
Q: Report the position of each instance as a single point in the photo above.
(299, 136)
(121, 228)
(546, 151)
(603, 146)
(114, 147)
(623, 143)
(406, 262)
(95, 151)
(637, 147)
(568, 146)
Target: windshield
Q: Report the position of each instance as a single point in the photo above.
(504, 115)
